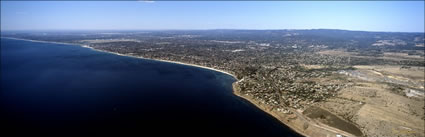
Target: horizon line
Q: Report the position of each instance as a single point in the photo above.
(47, 30)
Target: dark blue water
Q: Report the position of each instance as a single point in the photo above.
(65, 90)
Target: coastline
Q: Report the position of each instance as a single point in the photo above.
(295, 121)
(41, 41)
(168, 61)
(286, 119)
(236, 92)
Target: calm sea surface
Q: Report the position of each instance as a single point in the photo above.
(66, 90)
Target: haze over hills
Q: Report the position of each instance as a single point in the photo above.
(348, 38)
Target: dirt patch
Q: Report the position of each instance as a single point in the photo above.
(381, 108)
(331, 120)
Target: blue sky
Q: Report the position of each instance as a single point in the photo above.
(130, 15)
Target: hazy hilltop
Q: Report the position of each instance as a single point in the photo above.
(333, 37)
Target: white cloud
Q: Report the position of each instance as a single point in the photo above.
(146, 1)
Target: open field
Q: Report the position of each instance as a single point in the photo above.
(382, 107)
